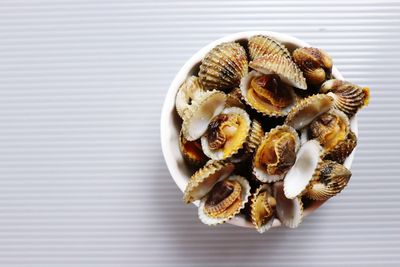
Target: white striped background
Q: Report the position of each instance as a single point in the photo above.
(82, 178)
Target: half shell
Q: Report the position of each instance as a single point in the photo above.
(223, 66)
(300, 175)
(330, 128)
(343, 149)
(276, 154)
(307, 109)
(348, 97)
(284, 67)
(329, 180)
(202, 181)
(284, 96)
(262, 208)
(261, 45)
(201, 111)
(192, 152)
(315, 63)
(226, 134)
(188, 91)
(224, 201)
(289, 211)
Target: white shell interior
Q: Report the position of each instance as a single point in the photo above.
(289, 211)
(303, 169)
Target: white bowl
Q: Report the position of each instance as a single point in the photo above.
(170, 122)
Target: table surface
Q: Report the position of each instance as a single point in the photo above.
(82, 177)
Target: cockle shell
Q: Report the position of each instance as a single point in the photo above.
(284, 67)
(202, 181)
(348, 97)
(300, 175)
(187, 92)
(330, 128)
(192, 152)
(307, 109)
(262, 208)
(329, 180)
(343, 149)
(223, 66)
(315, 63)
(224, 146)
(260, 104)
(261, 45)
(276, 154)
(234, 99)
(219, 206)
(201, 111)
(289, 211)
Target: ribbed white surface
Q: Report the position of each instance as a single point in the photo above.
(82, 178)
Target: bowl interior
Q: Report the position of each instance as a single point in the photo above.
(171, 123)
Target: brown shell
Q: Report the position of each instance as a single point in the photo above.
(307, 109)
(261, 45)
(315, 63)
(234, 99)
(343, 149)
(329, 180)
(285, 68)
(223, 66)
(192, 152)
(262, 208)
(348, 97)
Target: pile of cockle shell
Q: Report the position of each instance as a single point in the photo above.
(266, 131)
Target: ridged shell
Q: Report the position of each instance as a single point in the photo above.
(329, 180)
(188, 91)
(267, 109)
(234, 99)
(307, 109)
(245, 194)
(260, 173)
(219, 153)
(289, 211)
(333, 123)
(192, 152)
(261, 45)
(201, 111)
(348, 97)
(202, 181)
(262, 208)
(315, 63)
(299, 176)
(223, 66)
(343, 149)
(285, 68)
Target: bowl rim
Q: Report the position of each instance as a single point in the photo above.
(169, 108)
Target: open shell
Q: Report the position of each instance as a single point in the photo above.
(227, 146)
(262, 208)
(330, 128)
(307, 109)
(343, 149)
(315, 63)
(261, 105)
(234, 99)
(284, 67)
(223, 66)
(188, 91)
(348, 97)
(201, 111)
(202, 181)
(329, 180)
(289, 211)
(231, 209)
(261, 45)
(279, 146)
(192, 151)
(300, 175)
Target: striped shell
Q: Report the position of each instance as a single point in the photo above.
(262, 208)
(260, 45)
(223, 66)
(343, 149)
